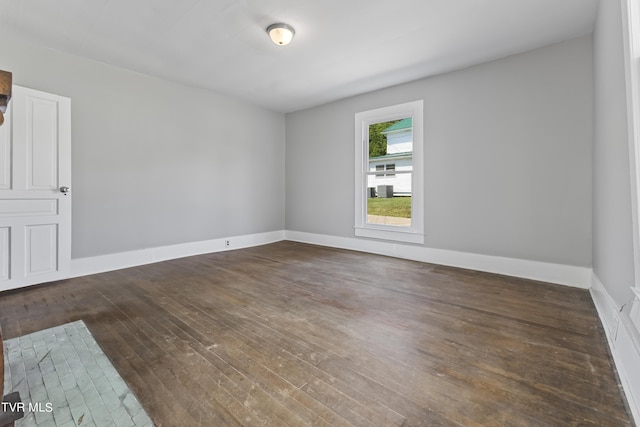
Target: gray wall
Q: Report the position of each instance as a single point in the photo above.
(156, 163)
(612, 226)
(508, 156)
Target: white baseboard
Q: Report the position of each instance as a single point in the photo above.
(117, 261)
(579, 277)
(624, 341)
(547, 272)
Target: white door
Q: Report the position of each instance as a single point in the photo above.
(35, 209)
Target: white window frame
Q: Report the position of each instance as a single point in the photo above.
(631, 40)
(415, 232)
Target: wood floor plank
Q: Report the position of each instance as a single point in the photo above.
(254, 364)
(243, 359)
(295, 334)
(194, 349)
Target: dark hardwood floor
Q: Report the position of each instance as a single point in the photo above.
(294, 334)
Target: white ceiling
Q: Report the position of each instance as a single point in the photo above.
(341, 48)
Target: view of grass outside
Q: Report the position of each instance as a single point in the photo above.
(399, 207)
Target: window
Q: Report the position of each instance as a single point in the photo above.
(631, 39)
(381, 168)
(389, 169)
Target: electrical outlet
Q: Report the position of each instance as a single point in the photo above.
(227, 243)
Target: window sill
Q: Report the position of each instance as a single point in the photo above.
(387, 233)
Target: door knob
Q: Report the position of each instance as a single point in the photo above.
(64, 190)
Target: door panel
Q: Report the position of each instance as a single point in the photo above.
(27, 207)
(5, 152)
(35, 217)
(4, 254)
(41, 249)
(42, 144)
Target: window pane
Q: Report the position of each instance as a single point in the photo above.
(389, 193)
(389, 201)
(391, 140)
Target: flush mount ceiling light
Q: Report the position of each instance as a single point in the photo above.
(281, 34)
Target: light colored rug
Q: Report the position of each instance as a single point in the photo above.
(66, 380)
